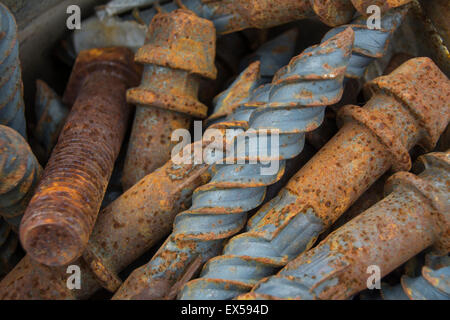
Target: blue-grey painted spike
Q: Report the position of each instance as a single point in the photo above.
(290, 90)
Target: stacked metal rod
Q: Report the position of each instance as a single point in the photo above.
(373, 139)
(51, 113)
(433, 283)
(296, 102)
(19, 175)
(368, 45)
(180, 48)
(413, 216)
(234, 15)
(61, 214)
(271, 56)
(11, 88)
(127, 227)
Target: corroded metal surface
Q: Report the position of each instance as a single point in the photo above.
(370, 44)
(409, 107)
(385, 5)
(124, 230)
(59, 219)
(51, 114)
(19, 175)
(433, 283)
(11, 88)
(274, 54)
(296, 101)
(414, 215)
(180, 48)
(231, 98)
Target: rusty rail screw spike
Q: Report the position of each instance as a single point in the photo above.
(127, 227)
(19, 175)
(414, 215)
(180, 48)
(59, 219)
(410, 106)
(295, 103)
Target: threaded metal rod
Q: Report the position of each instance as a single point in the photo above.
(296, 101)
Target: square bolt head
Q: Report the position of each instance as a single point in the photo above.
(181, 40)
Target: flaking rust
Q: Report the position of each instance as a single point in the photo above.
(180, 48)
(432, 282)
(409, 107)
(241, 14)
(59, 219)
(413, 216)
(19, 175)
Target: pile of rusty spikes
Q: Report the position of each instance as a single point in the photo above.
(279, 197)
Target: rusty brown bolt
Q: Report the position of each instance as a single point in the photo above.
(414, 215)
(126, 228)
(59, 219)
(409, 107)
(179, 50)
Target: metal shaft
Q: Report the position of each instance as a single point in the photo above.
(19, 175)
(180, 48)
(234, 15)
(433, 283)
(59, 219)
(413, 216)
(409, 107)
(126, 228)
(11, 88)
(296, 101)
(51, 114)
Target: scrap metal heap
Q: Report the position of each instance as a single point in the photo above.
(255, 218)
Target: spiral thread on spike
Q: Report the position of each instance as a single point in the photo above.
(431, 284)
(250, 256)
(370, 44)
(296, 101)
(11, 88)
(337, 268)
